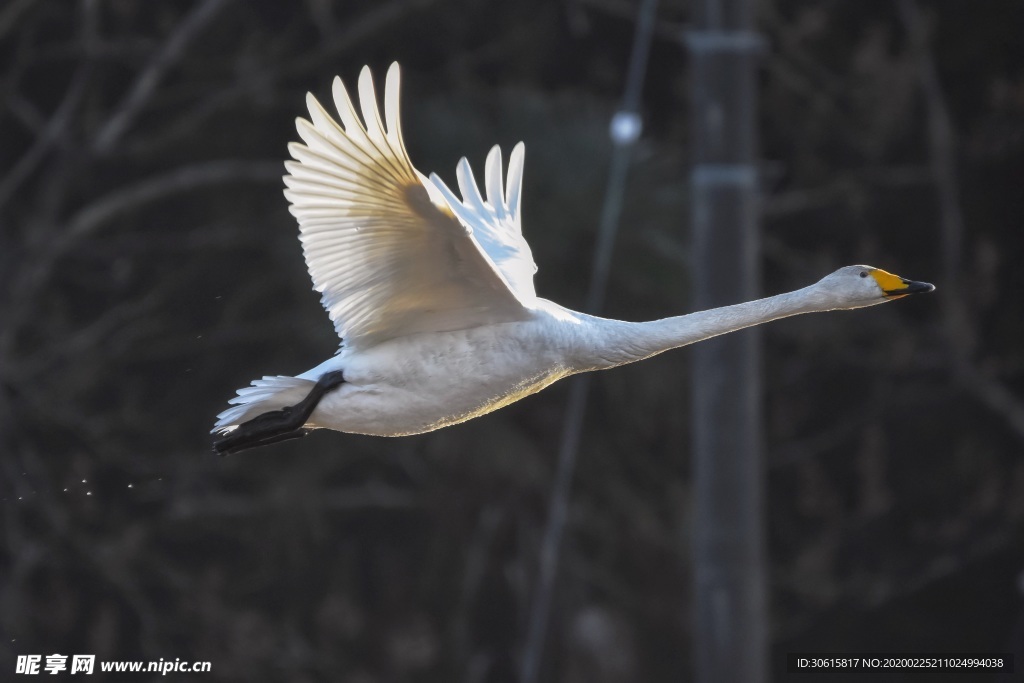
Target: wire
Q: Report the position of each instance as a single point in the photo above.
(625, 129)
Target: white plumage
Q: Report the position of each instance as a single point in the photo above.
(433, 295)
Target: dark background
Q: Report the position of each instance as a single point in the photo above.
(149, 267)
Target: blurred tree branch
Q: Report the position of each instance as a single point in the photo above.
(55, 131)
(10, 15)
(184, 179)
(172, 50)
(942, 148)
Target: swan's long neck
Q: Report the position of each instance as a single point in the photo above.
(607, 343)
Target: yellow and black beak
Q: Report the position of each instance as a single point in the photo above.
(894, 286)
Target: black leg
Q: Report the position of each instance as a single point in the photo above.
(278, 425)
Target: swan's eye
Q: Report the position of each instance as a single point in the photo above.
(863, 273)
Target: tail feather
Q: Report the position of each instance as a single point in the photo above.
(263, 395)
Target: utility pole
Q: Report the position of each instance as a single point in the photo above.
(730, 612)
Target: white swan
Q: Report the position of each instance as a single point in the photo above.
(433, 296)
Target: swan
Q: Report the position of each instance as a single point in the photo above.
(433, 295)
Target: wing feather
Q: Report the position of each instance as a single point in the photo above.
(383, 245)
(496, 222)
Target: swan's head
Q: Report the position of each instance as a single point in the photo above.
(857, 286)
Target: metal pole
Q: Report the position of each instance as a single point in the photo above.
(728, 544)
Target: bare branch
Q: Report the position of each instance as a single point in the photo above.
(370, 23)
(98, 333)
(9, 16)
(942, 148)
(179, 180)
(151, 76)
(623, 10)
(941, 142)
(55, 130)
(994, 395)
(370, 496)
(888, 589)
(33, 278)
(27, 114)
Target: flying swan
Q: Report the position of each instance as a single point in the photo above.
(433, 295)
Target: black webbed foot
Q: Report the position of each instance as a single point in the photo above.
(235, 442)
(278, 425)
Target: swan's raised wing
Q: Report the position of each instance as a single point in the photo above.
(495, 222)
(383, 247)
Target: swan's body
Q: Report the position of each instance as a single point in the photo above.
(433, 297)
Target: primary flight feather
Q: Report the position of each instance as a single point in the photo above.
(433, 296)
